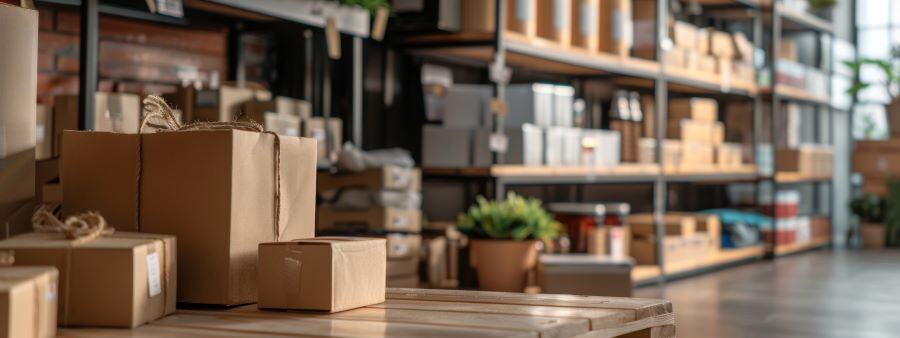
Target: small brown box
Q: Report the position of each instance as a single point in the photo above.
(684, 35)
(721, 44)
(554, 21)
(675, 224)
(113, 112)
(707, 64)
(402, 267)
(387, 177)
(584, 274)
(28, 301)
(694, 108)
(328, 135)
(616, 35)
(329, 274)
(585, 24)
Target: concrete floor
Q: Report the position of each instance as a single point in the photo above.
(816, 294)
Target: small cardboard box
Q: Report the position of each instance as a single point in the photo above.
(118, 280)
(388, 177)
(585, 274)
(697, 153)
(675, 224)
(702, 40)
(675, 57)
(329, 274)
(616, 29)
(375, 218)
(585, 27)
(521, 17)
(554, 21)
(226, 103)
(28, 301)
(282, 124)
(695, 131)
(113, 112)
(644, 30)
(729, 154)
(400, 246)
(710, 224)
(721, 44)
(51, 193)
(684, 35)
(694, 248)
(694, 108)
(707, 64)
(213, 189)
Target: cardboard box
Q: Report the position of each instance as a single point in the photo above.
(294, 107)
(521, 17)
(328, 274)
(675, 57)
(721, 44)
(697, 153)
(18, 72)
(693, 248)
(446, 147)
(710, 224)
(588, 275)
(585, 24)
(51, 193)
(408, 281)
(378, 218)
(117, 280)
(554, 21)
(113, 112)
(46, 171)
(787, 50)
(388, 177)
(282, 124)
(402, 267)
(671, 152)
(729, 154)
(695, 131)
(401, 246)
(226, 103)
(28, 301)
(701, 43)
(815, 160)
(477, 16)
(616, 29)
(684, 35)
(214, 189)
(327, 141)
(744, 47)
(43, 133)
(877, 160)
(675, 224)
(694, 108)
(744, 71)
(707, 64)
(644, 31)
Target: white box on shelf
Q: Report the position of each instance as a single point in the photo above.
(606, 145)
(524, 146)
(530, 103)
(563, 102)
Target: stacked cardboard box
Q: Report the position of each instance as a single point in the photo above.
(696, 137)
(877, 161)
(383, 202)
(807, 159)
(688, 237)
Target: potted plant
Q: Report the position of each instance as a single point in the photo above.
(504, 239)
(891, 69)
(870, 209)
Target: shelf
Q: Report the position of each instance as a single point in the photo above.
(796, 94)
(626, 172)
(712, 174)
(793, 248)
(348, 20)
(795, 20)
(644, 274)
(796, 177)
(684, 80)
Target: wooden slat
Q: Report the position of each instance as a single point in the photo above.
(155, 331)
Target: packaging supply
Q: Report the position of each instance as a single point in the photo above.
(696, 131)
(684, 35)
(594, 227)
(585, 25)
(707, 64)
(581, 274)
(554, 21)
(294, 107)
(701, 43)
(466, 105)
(363, 199)
(675, 57)
(676, 224)
(708, 223)
(388, 177)
(671, 152)
(697, 153)
(328, 141)
(163, 184)
(744, 47)
(616, 30)
(694, 108)
(808, 159)
(18, 85)
(28, 301)
(402, 267)
(372, 219)
(729, 154)
(401, 246)
(105, 279)
(644, 29)
(721, 44)
(532, 103)
(283, 124)
(330, 274)
(227, 103)
(43, 133)
(676, 249)
(113, 112)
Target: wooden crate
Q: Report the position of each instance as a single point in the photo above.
(432, 313)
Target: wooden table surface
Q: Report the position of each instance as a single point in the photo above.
(431, 313)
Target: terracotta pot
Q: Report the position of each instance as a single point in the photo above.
(503, 265)
(873, 235)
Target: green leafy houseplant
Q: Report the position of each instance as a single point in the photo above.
(869, 208)
(517, 218)
(889, 67)
(892, 212)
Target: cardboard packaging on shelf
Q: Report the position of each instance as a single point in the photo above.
(43, 133)
(744, 71)
(696, 131)
(684, 35)
(46, 171)
(327, 141)
(585, 25)
(477, 16)
(721, 44)
(744, 47)
(113, 112)
(877, 160)
(51, 193)
(163, 184)
(710, 224)
(701, 43)
(28, 301)
(388, 177)
(729, 154)
(671, 152)
(295, 107)
(554, 21)
(401, 246)
(644, 29)
(18, 85)
(371, 219)
(328, 274)
(676, 249)
(675, 224)
(788, 50)
(115, 280)
(697, 153)
(525, 146)
(694, 108)
(808, 159)
(521, 17)
(707, 64)
(616, 29)
(675, 57)
(282, 124)
(226, 103)
(581, 274)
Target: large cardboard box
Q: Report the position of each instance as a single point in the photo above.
(18, 87)
(585, 274)
(214, 189)
(554, 21)
(114, 112)
(389, 177)
(616, 30)
(694, 108)
(375, 218)
(328, 274)
(585, 24)
(117, 280)
(28, 301)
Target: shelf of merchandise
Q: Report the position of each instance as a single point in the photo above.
(790, 93)
(796, 178)
(648, 274)
(815, 243)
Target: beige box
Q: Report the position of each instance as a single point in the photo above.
(554, 21)
(675, 57)
(118, 280)
(589, 275)
(294, 107)
(721, 44)
(328, 141)
(227, 103)
(18, 87)
(113, 112)
(675, 224)
(521, 17)
(282, 124)
(787, 50)
(388, 177)
(729, 154)
(684, 35)
(697, 153)
(329, 274)
(693, 248)
(400, 246)
(707, 64)
(375, 218)
(28, 301)
(585, 24)
(51, 193)
(616, 34)
(699, 109)
(479, 16)
(215, 190)
(644, 32)
(702, 40)
(744, 47)
(695, 130)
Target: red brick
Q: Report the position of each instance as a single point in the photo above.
(68, 21)
(68, 64)
(135, 62)
(58, 44)
(45, 61)
(45, 19)
(213, 42)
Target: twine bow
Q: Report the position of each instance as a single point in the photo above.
(79, 228)
(156, 107)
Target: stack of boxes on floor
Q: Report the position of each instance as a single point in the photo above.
(238, 215)
(695, 138)
(689, 237)
(384, 202)
(792, 227)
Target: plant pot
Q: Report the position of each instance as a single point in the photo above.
(503, 265)
(873, 235)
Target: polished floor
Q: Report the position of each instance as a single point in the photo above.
(816, 294)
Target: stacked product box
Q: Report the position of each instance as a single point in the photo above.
(688, 237)
(695, 138)
(382, 202)
(807, 159)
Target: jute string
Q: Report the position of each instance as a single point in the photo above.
(156, 110)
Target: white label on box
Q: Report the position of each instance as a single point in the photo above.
(399, 177)
(401, 249)
(51, 293)
(400, 222)
(588, 19)
(561, 14)
(523, 10)
(153, 274)
(498, 143)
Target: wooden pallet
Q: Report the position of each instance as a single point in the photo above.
(432, 313)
